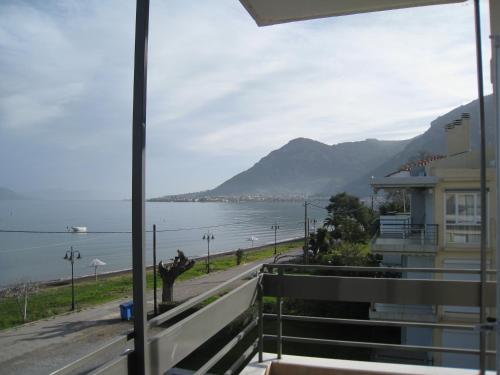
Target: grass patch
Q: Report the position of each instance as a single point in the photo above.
(52, 301)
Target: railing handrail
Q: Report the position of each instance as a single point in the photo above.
(404, 224)
(411, 234)
(372, 345)
(162, 318)
(378, 289)
(319, 267)
(371, 322)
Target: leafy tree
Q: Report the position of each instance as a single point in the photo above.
(349, 254)
(348, 218)
(350, 230)
(320, 241)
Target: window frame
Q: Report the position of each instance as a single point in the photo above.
(460, 219)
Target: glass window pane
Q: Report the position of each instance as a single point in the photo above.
(469, 205)
(450, 204)
(478, 208)
(461, 204)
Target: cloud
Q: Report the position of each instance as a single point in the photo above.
(221, 92)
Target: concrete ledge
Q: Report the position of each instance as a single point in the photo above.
(324, 366)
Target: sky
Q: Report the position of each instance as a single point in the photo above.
(222, 92)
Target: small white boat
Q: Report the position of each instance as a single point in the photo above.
(79, 229)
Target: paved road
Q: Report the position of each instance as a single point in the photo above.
(47, 345)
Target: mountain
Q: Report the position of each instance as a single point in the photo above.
(304, 166)
(7, 194)
(307, 167)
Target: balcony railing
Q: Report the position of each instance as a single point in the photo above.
(405, 238)
(168, 346)
(467, 234)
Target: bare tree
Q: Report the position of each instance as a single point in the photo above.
(21, 292)
(171, 271)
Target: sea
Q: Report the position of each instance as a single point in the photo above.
(37, 253)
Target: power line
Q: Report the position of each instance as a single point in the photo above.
(314, 205)
(47, 245)
(203, 227)
(123, 232)
(62, 232)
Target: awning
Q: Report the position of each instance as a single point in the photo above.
(403, 182)
(270, 12)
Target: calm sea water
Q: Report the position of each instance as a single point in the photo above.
(27, 256)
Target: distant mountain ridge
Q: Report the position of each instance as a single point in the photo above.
(308, 167)
(304, 167)
(8, 194)
(55, 194)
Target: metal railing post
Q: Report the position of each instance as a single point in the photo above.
(155, 297)
(141, 365)
(279, 309)
(261, 318)
(497, 166)
(482, 183)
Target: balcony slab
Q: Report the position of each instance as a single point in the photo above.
(291, 365)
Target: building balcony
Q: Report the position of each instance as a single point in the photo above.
(405, 238)
(176, 334)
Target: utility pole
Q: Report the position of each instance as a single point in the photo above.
(373, 191)
(155, 299)
(208, 236)
(71, 256)
(275, 227)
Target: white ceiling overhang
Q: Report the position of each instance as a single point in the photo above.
(270, 12)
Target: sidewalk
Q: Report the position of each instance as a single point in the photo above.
(47, 345)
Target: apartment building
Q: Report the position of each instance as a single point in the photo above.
(440, 229)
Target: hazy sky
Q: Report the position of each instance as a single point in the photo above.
(222, 93)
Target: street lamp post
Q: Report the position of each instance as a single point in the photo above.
(208, 236)
(71, 256)
(252, 239)
(275, 227)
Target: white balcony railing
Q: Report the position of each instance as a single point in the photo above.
(405, 238)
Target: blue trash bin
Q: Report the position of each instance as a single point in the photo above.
(126, 310)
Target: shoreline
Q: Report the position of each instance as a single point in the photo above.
(104, 275)
(55, 298)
